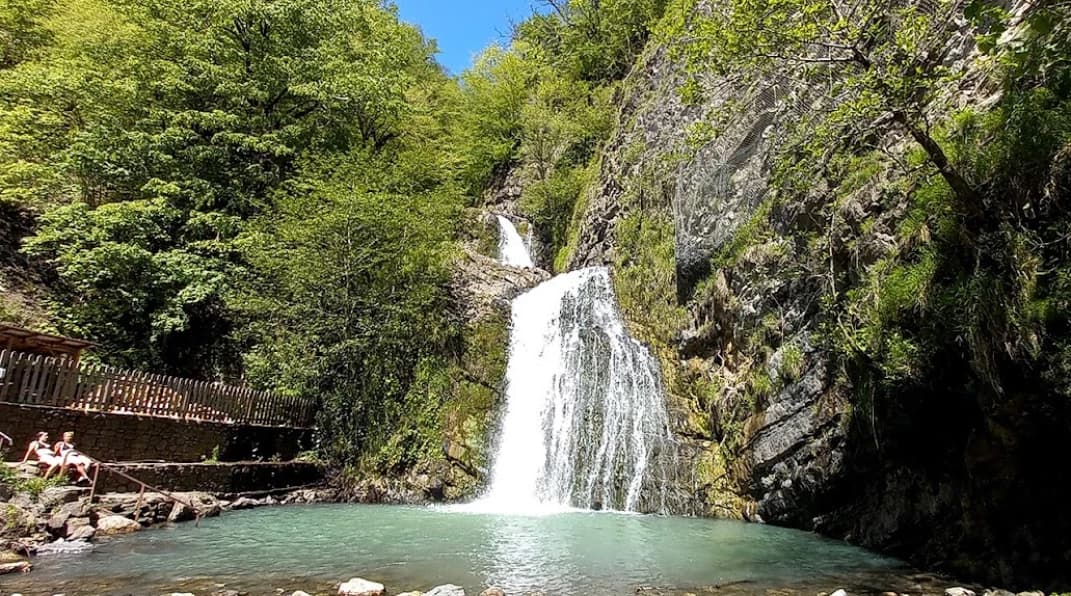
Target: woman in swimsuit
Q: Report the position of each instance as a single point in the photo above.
(39, 447)
(71, 457)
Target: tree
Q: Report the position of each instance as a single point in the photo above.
(872, 59)
(185, 118)
(351, 296)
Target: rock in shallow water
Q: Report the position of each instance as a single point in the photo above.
(447, 590)
(64, 546)
(493, 591)
(957, 591)
(15, 567)
(361, 587)
(116, 524)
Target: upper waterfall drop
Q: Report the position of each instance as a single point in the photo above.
(511, 249)
(585, 423)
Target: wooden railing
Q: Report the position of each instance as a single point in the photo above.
(32, 379)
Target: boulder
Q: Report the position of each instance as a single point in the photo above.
(12, 563)
(79, 508)
(244, 503)
(998, 593)
(18, 522)
(57, 524)
(81, 533)
(361, 587)
(957, 591)
(79, 526)
(116, 524)
(54, 497)
(300, 593)
(181, 512)
(839, 592)
(493, 591)
(446, 590)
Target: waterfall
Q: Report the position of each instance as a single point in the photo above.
(511, 249)
(585, 423)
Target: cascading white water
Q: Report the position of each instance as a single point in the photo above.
(511, 249)
(585, 423)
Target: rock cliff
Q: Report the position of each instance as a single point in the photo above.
(744, 282)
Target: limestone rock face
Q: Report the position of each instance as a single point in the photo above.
(361, 587)
(116, 524)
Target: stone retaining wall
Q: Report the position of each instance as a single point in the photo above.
(222, 478)
(128, 437)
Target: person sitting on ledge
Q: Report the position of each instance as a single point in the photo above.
(71, 457)
(40, 448)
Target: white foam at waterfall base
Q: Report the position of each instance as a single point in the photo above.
(585, 425)
(511, 249)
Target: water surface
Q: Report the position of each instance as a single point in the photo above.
(414, 548)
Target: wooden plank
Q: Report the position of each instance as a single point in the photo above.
(198, 399)
(208, 404)
(144, 392)
(165, 396)
(28, 377)
(183, 407)
(108, 389)
(5, 382)
(59, 387)
(18, 377)
(155, 394)
(257, 410)
(40, 366)
(50, 381)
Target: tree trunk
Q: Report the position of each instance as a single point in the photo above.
(966, 194)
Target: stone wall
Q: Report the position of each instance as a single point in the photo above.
(125, 437)
(221, 478)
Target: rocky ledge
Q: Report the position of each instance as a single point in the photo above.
(482, 285)
(64, 519)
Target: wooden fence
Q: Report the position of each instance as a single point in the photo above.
(41, 380)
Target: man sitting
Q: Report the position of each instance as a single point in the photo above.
(40, 448)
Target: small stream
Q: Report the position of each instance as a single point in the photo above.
(314, 547)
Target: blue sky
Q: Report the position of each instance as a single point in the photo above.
(464, 27)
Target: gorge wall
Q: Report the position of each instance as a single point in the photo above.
(750, 285)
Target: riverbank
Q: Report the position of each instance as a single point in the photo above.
(64, 519)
